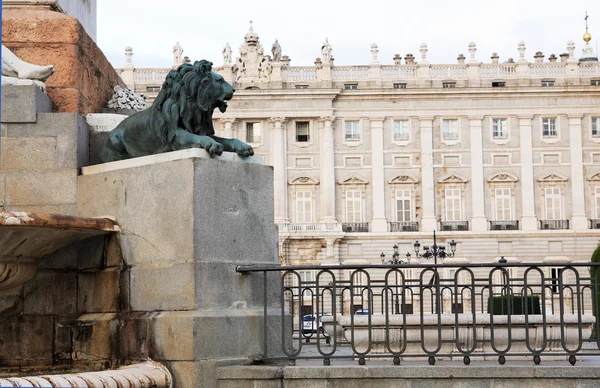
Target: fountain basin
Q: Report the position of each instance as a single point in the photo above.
(25, 238)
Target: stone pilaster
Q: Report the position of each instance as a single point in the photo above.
(227, 126)
(579, 220)
(327, 150)
(478, 219)
(379, 222)
(528, 218)
(428, 221)
(278, 156)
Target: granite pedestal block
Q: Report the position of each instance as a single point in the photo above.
(187, 223)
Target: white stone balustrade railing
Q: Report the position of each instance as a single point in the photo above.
(145, 76)
(502, 71)
(390, 73)
(589, 69)
(316, 227)
(399, 72)
(448, 71)
(547, 69)
(300, 74)
(349, 73)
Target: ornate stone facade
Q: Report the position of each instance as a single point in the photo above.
(503, 157)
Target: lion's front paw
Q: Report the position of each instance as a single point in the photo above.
(242, 149)
(210, 145)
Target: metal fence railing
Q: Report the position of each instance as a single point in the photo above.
(494, 311)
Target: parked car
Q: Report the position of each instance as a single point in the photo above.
(362, 311)
(312, 324)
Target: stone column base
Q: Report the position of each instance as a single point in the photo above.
(529, 223)
(479, 224)
(379, 225)
(580, 223)
(428, 224)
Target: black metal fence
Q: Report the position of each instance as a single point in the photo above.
(447, 311)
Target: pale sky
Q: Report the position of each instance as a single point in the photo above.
(152, 27)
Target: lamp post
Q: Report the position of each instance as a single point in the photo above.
(435, 251)
(396, 260)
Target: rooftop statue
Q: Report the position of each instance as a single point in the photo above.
(181, 117)
(276, 51)
(18, 72)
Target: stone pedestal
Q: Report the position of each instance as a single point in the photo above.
(41, 153)
(83, 79)
(187, 223)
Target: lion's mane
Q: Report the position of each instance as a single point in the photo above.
(188, 96)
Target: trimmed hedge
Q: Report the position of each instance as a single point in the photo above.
(517, 305)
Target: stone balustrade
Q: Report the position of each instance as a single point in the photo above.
(424, 74)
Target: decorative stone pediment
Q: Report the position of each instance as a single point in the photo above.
(503, 177)
(453, 178)
(353, 180)
(304, 180)
(252, 65)
(553, 177)
(594, 177)
(402, 179)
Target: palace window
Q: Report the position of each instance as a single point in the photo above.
(549, 127)
(352, 130)
(453, 201)
(302, 132)
(400, 86)
(547, 83)
(353, 206)
(500, 128)
(595, 82)
(552, 199)
(153, 88)
(502, 203)
(253, 133)
(403, 206)
(448, 85)
(401, 130)
(595, 126)
(498, 84)
(350, 86)
(449, 129)
(301, 86)
(304, 206)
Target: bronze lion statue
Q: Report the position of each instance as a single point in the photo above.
(181, 117)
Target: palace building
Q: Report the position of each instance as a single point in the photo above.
(502, 157)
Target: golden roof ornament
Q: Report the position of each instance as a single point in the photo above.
(587, 36)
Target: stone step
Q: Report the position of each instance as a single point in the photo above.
(22, 103)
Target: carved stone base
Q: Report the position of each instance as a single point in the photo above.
(15, 271)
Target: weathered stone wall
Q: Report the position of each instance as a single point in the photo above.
(83, 79)
(41, 153)
(67, 316)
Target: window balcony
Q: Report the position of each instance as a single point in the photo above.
(404, 226)
(595, 223)
(554, 224)
(454, 225)
(504, 225)
(355, 227)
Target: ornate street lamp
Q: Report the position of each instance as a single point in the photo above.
(396, 260)
(435, 250)
(395, 257)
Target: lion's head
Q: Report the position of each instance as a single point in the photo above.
(190, 94)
